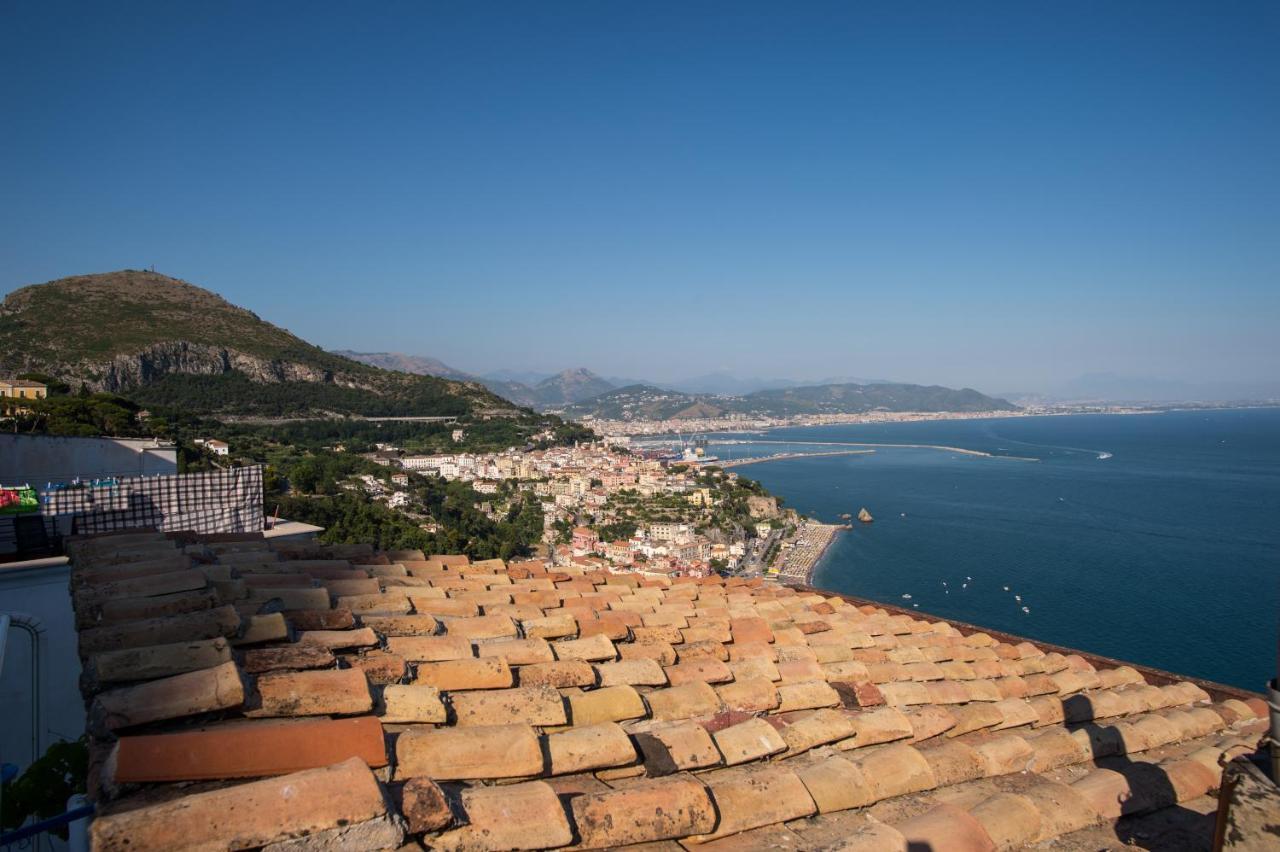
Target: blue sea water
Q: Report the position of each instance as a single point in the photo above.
(1152, 538)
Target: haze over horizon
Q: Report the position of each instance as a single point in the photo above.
(1005, 197)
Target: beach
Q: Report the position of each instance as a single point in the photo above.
(811, 541)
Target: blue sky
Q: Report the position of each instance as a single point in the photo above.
(1000, 195)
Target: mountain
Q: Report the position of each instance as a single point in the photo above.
(563, 388)
(416, 364)
(645, 402)
(165, 342)
(569, 386)
(523, 377)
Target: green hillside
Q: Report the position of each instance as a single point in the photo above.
(163, 341)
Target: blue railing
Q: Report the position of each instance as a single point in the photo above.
(29, 832)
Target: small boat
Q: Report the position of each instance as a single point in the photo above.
(906, 597)
(964, 585)
(917, 606)
(1006, 588)
(1018, 598)
(968, 578)
(1026, 609)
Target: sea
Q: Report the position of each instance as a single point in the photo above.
(1151, 538)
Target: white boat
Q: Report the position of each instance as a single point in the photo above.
(1006, 588)
(1018, 598)
(906, 597)
(1102, 456)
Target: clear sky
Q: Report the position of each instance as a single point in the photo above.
(1000, 195)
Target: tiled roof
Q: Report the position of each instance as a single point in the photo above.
(246, 694)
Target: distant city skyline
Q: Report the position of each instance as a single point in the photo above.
(1001, 196)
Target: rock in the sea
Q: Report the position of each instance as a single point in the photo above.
(864, 515)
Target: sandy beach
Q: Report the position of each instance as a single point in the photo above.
(810, 543)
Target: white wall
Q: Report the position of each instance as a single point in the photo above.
(39, 459)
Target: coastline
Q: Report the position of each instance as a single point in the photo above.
(802, 559)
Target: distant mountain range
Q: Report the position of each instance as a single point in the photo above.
(645, 402)
(165, 342)
(581, 393)
(539, 391)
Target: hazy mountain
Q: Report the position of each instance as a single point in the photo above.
(417, 364)
(646, 402)
(524, 377)
(165, 342)
(563, 388)
(570, 386)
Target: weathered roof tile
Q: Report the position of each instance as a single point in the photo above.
(217, 688)
(449, 754)
(644, 812)
(514, 816)
(313, 693)
(248, 815)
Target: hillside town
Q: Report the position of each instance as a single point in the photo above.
(606, 507)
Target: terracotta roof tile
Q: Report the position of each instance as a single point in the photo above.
(836, 784)
(586, 747)
(518, 652)
(595, 649)
(946, 827)
(205, 624)
(671, 747)
(807, 695)
(749, 797)
(607, 704)
(447, 754)
(248, 815)
(748, 740)
(248, 750)
(896, 770)
(634, 672)
(413, 703)
(560, 674)
(489, 673)
(378, 666)
(1005, 754)
(313, 693)
(401, 625)
(431, 649)
(217, 688)
(259, 660)
(157, 660)
(683, 702)
(648, 811)
(515, 816)
(530, 705)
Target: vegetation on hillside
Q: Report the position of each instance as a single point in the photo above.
(178, 344)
